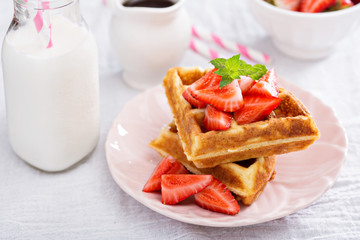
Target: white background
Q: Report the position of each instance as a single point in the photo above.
(85, 202)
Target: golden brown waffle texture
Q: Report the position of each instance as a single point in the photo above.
(246, 179)
(290, 127)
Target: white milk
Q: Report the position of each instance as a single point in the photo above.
(51, 94)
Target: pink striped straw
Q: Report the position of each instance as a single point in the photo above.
(202, 49)
(42, 28)
(249, 53)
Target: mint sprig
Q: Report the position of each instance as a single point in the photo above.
(233, 68)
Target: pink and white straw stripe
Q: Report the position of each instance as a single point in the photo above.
(202, 49)
(249, 53)
(43, 26)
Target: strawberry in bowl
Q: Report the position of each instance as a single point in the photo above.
(313, 6)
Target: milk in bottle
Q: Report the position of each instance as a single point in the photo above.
(51, 84)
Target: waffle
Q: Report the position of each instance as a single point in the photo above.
(246, 179)
(289, 128)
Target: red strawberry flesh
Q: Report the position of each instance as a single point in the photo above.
(177, 168)
(245, 83)
(177, 187)
(216, 197)
(256, 108)
(227, 99)
(271, 77)
(167, 165)
(193, 101)
(210, 79)
(215, 119)
(315, 6)
(266, 86)
(345, 4)
(288, 4)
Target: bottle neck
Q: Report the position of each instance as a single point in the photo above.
(28, 9)
(45, 4)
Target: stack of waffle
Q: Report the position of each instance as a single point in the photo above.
(242, 157)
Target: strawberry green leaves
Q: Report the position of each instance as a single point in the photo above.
(233, 68)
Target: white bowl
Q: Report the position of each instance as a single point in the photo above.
(305, 35)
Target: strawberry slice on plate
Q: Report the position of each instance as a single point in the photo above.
(292, 5)
(167, 165)
(177, 187)
(256, 108)
(215, 119)
(315, 6)
(177, 168)
(245, 83)
(227, 99)
(216, 197)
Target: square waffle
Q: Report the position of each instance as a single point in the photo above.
(289, 128)
(246, 179)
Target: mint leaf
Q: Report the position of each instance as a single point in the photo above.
(218, 62)
(233, 63)
(221, 72)
(259, 71)
(255, 72)
(233, 68)
(225, 80)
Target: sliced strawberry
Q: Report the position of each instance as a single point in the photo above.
(266, 86)
(210, 79)
(293, 5)
(177, 168)
(345, 3)
(177, 187)
(215, 119)
(193, 101)
(314, 6)
(216, 197)
(245, 83)
(227, 99)
(167, 165)
(271, 77)
(262, 88)
(339, 5)
(256, 108)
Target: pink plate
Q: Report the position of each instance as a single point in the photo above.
(302, 177)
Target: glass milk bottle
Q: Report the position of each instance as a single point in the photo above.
(50, 66)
